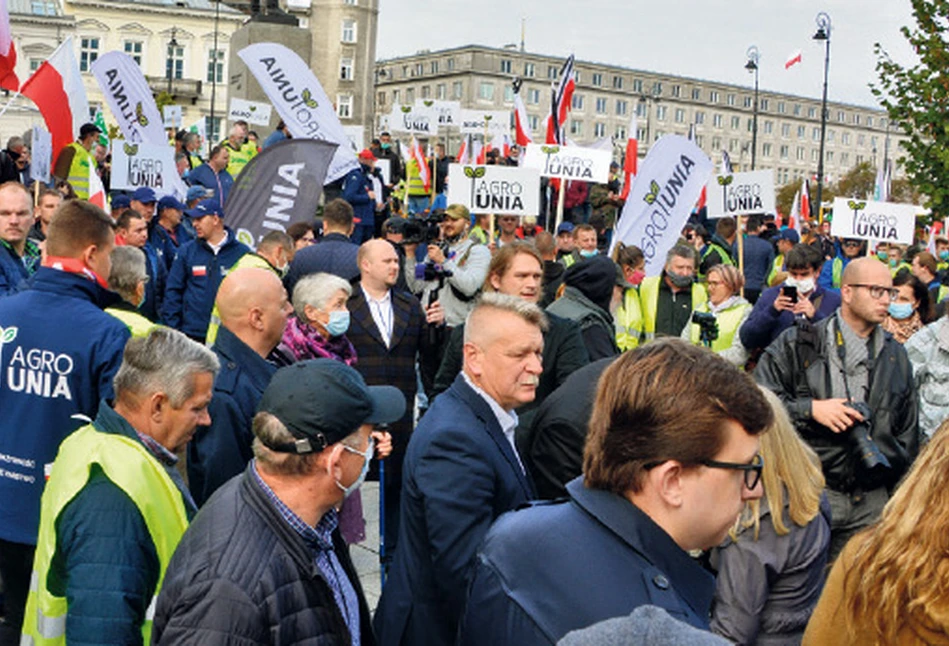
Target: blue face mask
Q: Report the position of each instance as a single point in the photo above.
(901, 311)
(338, 323)
(944, 254)
(367, 456)
(586, 253)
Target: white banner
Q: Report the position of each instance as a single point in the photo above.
(385, 167)
(448, 112)
(135, 165)
(41, 154)
(877, 221)
(129, 97)
(355, 135)
(253, 112)
(172, 116)
(569, 162)
(741, 194)
(661, 198)
(501, 190)
(417, 120)
(300, 101)
(473, 122)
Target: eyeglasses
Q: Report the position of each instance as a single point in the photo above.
(715, 283)
(368, 453)
(752, 471)
(851, 243)
(877, 291)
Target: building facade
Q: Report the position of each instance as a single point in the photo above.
(606, 96)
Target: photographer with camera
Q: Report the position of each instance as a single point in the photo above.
(452, 274)
(715, 323)
(848, 386)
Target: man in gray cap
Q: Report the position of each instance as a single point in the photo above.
(263, 562)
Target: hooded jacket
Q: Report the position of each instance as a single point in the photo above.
(586, 300)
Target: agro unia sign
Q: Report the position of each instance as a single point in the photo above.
(569, 162)
(501, 190)
(868, 220)
(741, 194)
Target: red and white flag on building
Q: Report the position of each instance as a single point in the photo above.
(792, 60)
(57, 90)
(8, 79)
(631, 160)
(522, 130)
(561, 102)
(464, 151)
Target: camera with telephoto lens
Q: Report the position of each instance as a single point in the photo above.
(425, 230)
(708, 327)
(864, 447)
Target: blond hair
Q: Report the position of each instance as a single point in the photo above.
(791, 469)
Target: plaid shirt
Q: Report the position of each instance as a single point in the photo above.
(169, 460)
(320, 542)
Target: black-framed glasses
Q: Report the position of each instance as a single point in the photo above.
(752, 471)
(877, 291)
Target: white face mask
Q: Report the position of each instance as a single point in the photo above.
(367, 456)
(804, 285)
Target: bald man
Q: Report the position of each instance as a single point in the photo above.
(461, 472)
(253, 307)
(826, 373)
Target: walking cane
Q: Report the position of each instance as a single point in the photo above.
(382, 514)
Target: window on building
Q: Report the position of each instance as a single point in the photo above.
(576, 127)
(831, 136)
(768, 127)
(858, 159)
(381, 98)
(873, 142)
(344, 106)
(577, 102)
(441, 92)
(396, 94)
(426, 92)
(696, 94)
(732, 145)
(811, 112)
(844, 159)
(419, 69)
(815, 134)
(175, 63)
(637, 85)
(784, 151)
(699, 117)
(748, 102)
(841, 116)
(658, 135)
(717, 120)
(508, 94)
(830, 156)
(35, 63)
(620, 132)
(600, 105)
(405, 71)
(351, 3)
(657, 88)
(797, 109)
(730, 99)
(410, 95)
(505, 66)
(599, 129)
(134, 49)
(716, 143)
(845, 138)
(781, 107)
(597, 79)
(641, 108)
(698, 140)
(801, 132)
(215, 66)
(676, 91)
(552, 72)
(785, 130)
(765, 150)
(814, 154)
(348, 31)
(800, 153)
(533, 96)
(713, 96)
(763, 105)
(869, 122)
(621, 107)
(533, 120)
(661, 112)
(43, 8)
(212, 128)
(346, 69)
(529, 70)
(451, 64)
(736, 122)
(861, 140)
(486, 91)
(679, 115)
(88, 53)
(617, 82)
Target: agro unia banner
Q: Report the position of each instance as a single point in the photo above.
(669, 182)
(300, 101)
(130, 99)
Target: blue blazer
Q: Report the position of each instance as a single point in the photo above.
(460, 473)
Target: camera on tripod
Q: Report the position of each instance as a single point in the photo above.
(708, 327)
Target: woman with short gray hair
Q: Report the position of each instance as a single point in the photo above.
(319, 323)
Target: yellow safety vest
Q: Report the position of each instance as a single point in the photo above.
(128, 465)
(728, 322)
(649, 303)
(247, 260)
(776, 268)
(722, 254)
(837, 271)
(628, 321)
(942, 294)
(82, 164)
(416, 185)
(568, 260)
(239, 158)
(137, 324)
(900, 267)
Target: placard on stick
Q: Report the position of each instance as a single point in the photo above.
(569, 162)
(878, 221)
(737, 194)
(501, 190)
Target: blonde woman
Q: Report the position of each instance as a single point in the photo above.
(890, 584)
(730, 309)
(771, 570)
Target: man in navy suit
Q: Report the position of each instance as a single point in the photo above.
(461, 472)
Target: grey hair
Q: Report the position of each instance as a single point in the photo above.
(128, 270)
(269, 430)
(528, 311)
(680, 251)
(163, 361)
(316, 291)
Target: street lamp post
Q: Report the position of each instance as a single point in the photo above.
(171, 56)
(752, 66)
(823, 33)
(644, 100)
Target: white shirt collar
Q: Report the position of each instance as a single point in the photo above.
(507, 420)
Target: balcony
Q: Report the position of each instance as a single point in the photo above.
(186, 89)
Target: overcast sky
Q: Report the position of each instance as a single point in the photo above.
(705, 39)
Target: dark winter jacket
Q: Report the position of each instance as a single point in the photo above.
(193, 281)
(165, 245)
(155, 287)
(13, 272)
(333, 254)
(586, 300)
(242, 575)
(758, 261)
(765, 324)
(356, 187)
(797, 368)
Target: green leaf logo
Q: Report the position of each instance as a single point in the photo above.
(653, 193)
(245, 236)
(428, 104)
(252, 108)
(406, 109)
(725, 180)
(550, 150)
(140, 114)
(130, 149)
(308, 98)
(7, 335)
(469, 171)
(488, 117)
(480, 171)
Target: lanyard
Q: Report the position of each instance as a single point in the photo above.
(842, 355)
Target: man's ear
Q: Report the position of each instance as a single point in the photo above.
(158, 405)
(668, 483)
(474, 359)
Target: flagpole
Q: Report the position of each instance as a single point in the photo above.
(431, 198)
(9, 103)
(36, 193)
(560, 198)
(741, 250)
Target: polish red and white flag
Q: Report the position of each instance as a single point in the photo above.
(464, 151)
(792, 60)
(631, 161)
(57, 90)
(8, 78)
(97, 190)
(522, 131)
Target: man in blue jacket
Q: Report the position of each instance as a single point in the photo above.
(833, 271)
(335, 253)
(253, 307)
(198, 271)
(776, 310)
(659, 481)
(358, 191)
(58, 354)
(461, 471)
(168, 232)
(19, 256)
(213, 174)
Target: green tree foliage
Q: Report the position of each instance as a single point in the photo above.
(916, 97)
(858, 182)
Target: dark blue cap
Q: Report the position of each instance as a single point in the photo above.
(195, 192)
(565, 227)
(790, 235)
(145, 195)
(206, 207)
(121, 202)
(169, 202)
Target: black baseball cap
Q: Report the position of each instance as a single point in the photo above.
(322, 401)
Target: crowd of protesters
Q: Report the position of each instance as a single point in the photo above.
(569, 451)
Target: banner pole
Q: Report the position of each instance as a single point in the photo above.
(431, 198)
(491, 230)
(9, 103)
(560, 197)
(36, 192)
(741, 250)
